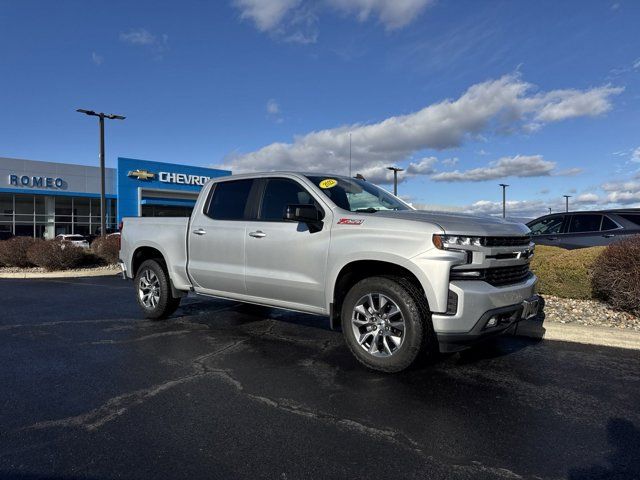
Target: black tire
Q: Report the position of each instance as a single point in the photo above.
(418, 339)
(166, 303)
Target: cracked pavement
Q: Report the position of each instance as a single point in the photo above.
(221, 390)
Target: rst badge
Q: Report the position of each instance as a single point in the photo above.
(350, 221)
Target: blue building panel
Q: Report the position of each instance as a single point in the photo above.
(137, 176)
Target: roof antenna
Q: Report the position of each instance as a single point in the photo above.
(349, 153)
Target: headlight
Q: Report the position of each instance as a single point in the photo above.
(455, 242)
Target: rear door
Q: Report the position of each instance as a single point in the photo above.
(589, 230)
(217, 238)
(285, 262)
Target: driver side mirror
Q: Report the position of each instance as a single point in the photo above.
(309, 214)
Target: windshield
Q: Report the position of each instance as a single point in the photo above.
(357, 195)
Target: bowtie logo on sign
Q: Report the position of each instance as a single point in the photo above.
(142, 174)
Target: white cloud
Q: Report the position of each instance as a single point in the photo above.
(141, 37)
(518, 166)
(635, 155)
(97, 59)
(393, 14)
(292, 21)
(569, 172)
(562, 104)
(588, 198)
(503, 105)
(450, 162)
(265, 14)
(623, 192)
(296, 20)
(273, 111)
(272, 107)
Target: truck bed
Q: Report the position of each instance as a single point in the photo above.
(167, 235)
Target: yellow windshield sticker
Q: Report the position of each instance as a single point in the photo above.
(328, 183)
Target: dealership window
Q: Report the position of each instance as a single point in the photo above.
(45, 216)
(6, 212)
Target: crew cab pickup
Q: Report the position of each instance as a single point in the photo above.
(399, 282)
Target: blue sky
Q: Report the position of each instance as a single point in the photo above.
(543, 96)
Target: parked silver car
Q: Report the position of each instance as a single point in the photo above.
(585, 229)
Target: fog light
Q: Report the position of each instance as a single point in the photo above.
(493, 321)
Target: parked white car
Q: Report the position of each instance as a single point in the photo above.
(77, 240)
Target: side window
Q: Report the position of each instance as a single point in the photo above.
(631, 217)
(229, 200)
(548, 226)
(608, 224)
(585, 223)
(279, 193)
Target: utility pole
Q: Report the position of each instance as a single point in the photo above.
(395, 171)
(504, 199)
(103, 203)
(566, 198)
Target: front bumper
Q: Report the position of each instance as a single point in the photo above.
(478, 302)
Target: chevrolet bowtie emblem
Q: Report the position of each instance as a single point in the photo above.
(141, 174)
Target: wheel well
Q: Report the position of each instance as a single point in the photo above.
(353, 272)
(143, 254)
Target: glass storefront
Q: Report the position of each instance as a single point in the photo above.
(46, 216)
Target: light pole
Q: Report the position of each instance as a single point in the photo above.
(101, 116)
(549, 210)
(566, 198)
(504, 199)
(395, 171)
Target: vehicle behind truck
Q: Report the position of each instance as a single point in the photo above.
(400, 283)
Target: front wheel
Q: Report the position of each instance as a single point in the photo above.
(386, 323)
(153, 291)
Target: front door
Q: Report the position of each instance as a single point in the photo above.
(285, 262)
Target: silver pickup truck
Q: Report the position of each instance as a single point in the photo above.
(399, 282)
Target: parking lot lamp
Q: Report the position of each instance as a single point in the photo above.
(101, 116)
(566, 199)
(504, 199)
(395, 171)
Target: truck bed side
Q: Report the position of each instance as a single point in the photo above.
(165, 235)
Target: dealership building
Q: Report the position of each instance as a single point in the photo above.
(45, 199)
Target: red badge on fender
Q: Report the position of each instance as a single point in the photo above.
(350, 221)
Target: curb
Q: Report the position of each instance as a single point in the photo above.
(77, 274)
(589, 335)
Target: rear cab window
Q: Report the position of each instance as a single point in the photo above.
(229, 200)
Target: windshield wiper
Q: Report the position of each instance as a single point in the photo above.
(366, 210)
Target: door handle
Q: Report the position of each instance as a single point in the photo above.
(200, 231)
(608, 235)
(257, 234)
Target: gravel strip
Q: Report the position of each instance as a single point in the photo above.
(587, 312)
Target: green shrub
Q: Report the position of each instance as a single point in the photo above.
(13, 252)
(565, 273)
(55, 255)
(616, 275)
(107, 248)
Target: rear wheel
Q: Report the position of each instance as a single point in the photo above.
(153, 291)
(386, 323)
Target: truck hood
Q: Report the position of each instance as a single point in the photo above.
(460, 223)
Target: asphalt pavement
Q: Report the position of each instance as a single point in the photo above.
(90, 390)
